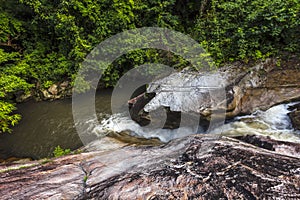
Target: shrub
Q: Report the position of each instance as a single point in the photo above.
(58, 151)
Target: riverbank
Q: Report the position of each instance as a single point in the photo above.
(63, 89)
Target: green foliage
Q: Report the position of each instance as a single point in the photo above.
(44, 42)
(85, 178)
(45, 161)
(12, 72)
(10, 27)
(244, 29)
(139, 57)
(58, 151)
(6, 117)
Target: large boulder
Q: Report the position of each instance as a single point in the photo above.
(242, 91)
(279, 86)
(193, 167)
(295, 116)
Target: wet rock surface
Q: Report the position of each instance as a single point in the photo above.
(295, 116)
(246, 90)
(194, 167)
(56, 91)
(59, 179)
(283, 147)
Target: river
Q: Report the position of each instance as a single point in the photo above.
(45, 125)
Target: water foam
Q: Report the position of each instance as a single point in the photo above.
(274, 123)
(119, 122)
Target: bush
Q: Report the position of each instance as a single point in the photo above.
(249, 29)
(58, 151)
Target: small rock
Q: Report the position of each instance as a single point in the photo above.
(23, 97)
(46, 95)
(58, 97)
(64, 85)
(53, 89)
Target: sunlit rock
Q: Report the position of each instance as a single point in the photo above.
(188, 168)
(235, 89)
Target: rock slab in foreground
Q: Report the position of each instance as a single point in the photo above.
(195, 167)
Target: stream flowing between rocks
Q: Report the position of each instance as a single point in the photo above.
(46, 125)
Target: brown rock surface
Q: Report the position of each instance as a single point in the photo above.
(53, 89)
(259, 88)
(295, 116)
(264, 98)
(194, 167)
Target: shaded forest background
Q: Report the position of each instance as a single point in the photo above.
(44, 41)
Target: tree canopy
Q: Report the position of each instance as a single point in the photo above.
(42, 42)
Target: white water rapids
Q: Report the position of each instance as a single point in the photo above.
(273, 122)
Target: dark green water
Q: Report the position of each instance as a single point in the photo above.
(44, 126)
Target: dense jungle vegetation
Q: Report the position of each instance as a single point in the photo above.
(44, 41)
